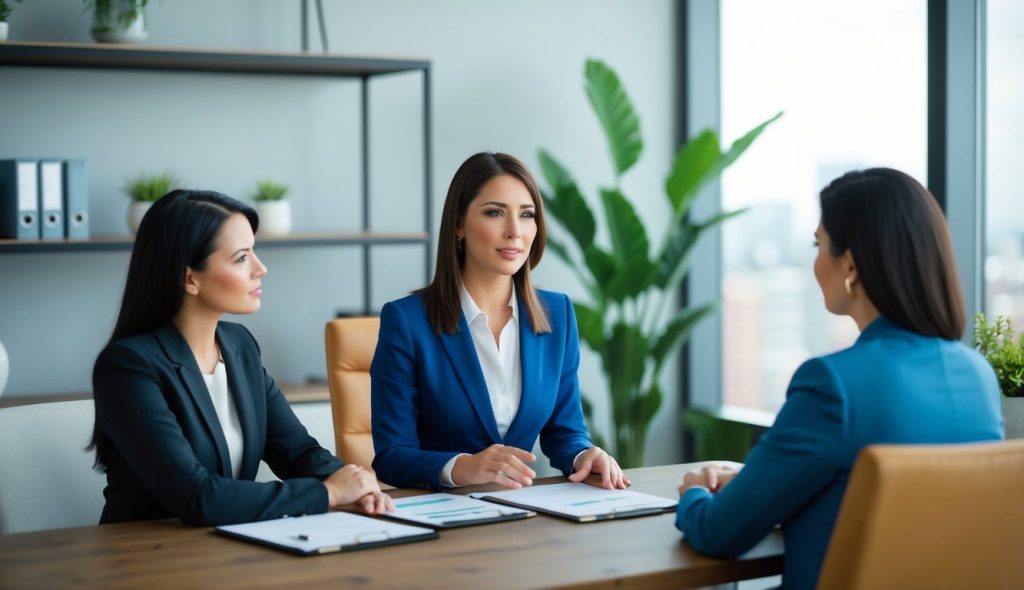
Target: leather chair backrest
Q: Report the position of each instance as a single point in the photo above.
(350, 346)
(930, 516)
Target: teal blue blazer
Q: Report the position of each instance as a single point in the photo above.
(429, 400)
(892, 386)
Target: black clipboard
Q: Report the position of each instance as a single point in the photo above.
(282, 534)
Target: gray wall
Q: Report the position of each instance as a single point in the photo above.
(507, 76)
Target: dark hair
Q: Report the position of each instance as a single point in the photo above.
(178, 232)
(441, 296)
(897, 235)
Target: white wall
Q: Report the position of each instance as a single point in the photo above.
(507, 76)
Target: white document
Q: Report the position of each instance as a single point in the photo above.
(324, 533)
(447, 510)
(581, 502)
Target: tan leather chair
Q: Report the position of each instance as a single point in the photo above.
(350, 346)
(930, 516)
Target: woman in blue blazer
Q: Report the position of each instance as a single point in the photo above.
(470, 370)
(184, 409)
(885, 259)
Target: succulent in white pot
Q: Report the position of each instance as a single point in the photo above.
(144, 190)
(274, 210)
(118, 21)
(6, 7)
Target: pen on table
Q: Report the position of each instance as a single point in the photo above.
(302, 537)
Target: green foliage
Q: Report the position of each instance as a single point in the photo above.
(996, 342)
(114, 14)
(718, 439)
(269, 190)
(150, 187)
(6, 7)
(632, 284)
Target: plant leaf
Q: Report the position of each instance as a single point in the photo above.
(629, 237)
(674, 258)
(591, 326)
(694, 162)
(588, 415)
(572, 211)
(600, 263)
(624, 359)
(649, 405)
(616, 114)
(556, 174)
(560, 250)
(740, 145)
(631, 280)
(678, 330)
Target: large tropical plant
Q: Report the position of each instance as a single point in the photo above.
(626, 320)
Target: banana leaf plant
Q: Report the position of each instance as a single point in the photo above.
(631, 286)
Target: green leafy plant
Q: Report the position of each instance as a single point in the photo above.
(269, 190)
(6, 7)
(115, 14)
(996, 343)
(150, 187)
(629, 286)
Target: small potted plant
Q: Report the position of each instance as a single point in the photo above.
(6, 7)
(118, 21)
(143, 190)
(1005, 353)
(274, 210)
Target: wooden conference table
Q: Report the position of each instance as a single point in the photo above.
(539, 552)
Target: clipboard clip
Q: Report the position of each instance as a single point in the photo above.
(372, 537)
(635, 508)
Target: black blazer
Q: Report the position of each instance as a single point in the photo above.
(169, 454)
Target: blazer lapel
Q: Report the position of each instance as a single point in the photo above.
(244, 393)
(530, 352)
(462, 357)
(180, 354)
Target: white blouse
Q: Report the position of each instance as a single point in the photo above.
(499, 362)
(224, 405)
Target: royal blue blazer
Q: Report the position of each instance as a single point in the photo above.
(170, 458)
(892, 386)
(429, 400)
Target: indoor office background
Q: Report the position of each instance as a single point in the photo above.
(931, 87)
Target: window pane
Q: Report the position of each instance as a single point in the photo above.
(1004, 261)
(852, 80)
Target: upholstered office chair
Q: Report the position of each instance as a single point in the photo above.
(46, 476)
(930, 516)
(350, 346)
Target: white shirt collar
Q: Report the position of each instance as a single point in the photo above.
(472, 311)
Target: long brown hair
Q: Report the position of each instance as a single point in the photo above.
(441, 296)
(897, 235)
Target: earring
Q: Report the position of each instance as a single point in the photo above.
(458, 244)
(849, 289)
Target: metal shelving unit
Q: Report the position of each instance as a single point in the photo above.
(362, 68)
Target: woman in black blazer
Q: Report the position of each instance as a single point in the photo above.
(184, 409)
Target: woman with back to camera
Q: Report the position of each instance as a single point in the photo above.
(184, 409)
(470, 370)
(886, 260)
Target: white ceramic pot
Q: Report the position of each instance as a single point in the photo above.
(136, 211)
(108, 28)
(275, 217)
(1013, 416)
(5, 367)
(3, 30)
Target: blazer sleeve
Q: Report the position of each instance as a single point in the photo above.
(394, 410)
(565, 433)
(791, 463)
(132, 410)
(289, 451)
